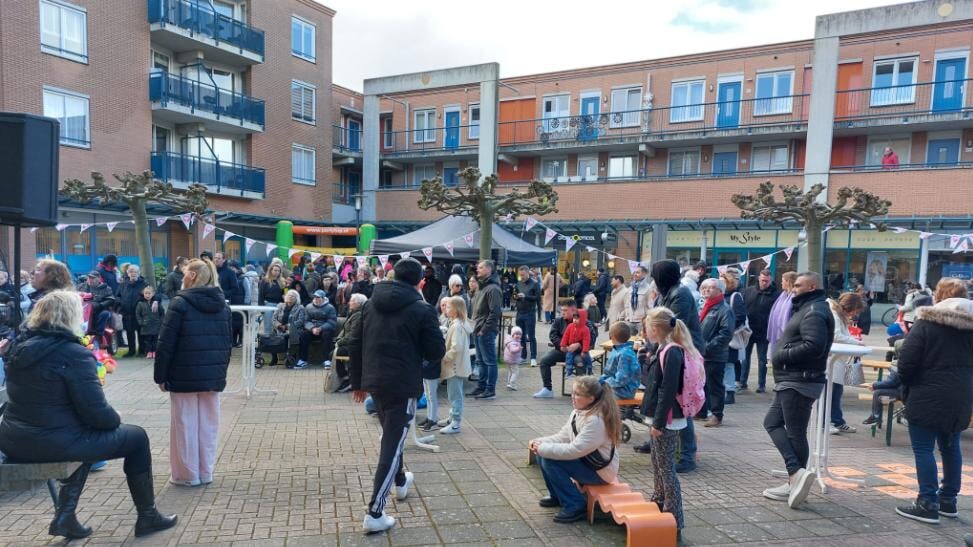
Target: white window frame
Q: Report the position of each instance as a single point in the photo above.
(771, 146)
(474, 131)
(64, 95)
(580, 174)
(304, 87)
(59, 50)
(562, 177)
(894, 94)
(689, 112)
(561, 115)
(388, 138)
(428, 172)
(634, 165)
(425, 134)
(904, 154)
(303, 151)
(779, 102)
(674, 151)
(156, 53)
(304, 25)
(629, 118)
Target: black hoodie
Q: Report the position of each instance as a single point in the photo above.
(398, 329)
(678, 298)
(193, 349)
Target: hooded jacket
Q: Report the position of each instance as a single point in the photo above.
(578, 332)
(324, 317)
(193, 349)
(487, 303)
(676, 297)
(56, 400)
(936, 366)
(398, 329)
(801, 353)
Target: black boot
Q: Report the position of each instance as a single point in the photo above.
(730, 398)
(143, 494)
(65, 521)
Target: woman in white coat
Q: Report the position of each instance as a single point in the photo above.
(455, 364)
(844, 309)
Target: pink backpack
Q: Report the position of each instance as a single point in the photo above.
(693, 394)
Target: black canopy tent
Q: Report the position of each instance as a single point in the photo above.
(508, 249)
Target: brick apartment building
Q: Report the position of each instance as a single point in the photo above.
(235, 95)
(639, 146)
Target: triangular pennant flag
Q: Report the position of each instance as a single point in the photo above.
(962, 247)
(208, 229)
(428, 252)
(767, 259)
(315, 256)
(270, 248)
(508, 217)
(85, 227)
(611, 256)
(449, 247)
(632, 265)
(405, 254)
(110, 226)
(383, 260)
(925, 235)
(338, 260)
(61, 227)
(954, 241)
(469, 238)
(745, 266)
(788, 252)
(34, 229)
(362, 260)
(899, 230)
(292, 252)
(227, 235)
(872, 225)
(249, 243)
(187, 219)
(160, 221)
(828, 229)
(549, 235)
(568, 243)
(530, 223)
(590, 249)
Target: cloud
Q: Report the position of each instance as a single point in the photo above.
(700, 24)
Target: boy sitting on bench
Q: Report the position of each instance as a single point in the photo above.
(622, 371)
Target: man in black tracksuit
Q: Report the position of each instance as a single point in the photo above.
(397, 331)
(800, 363)
(526, 294)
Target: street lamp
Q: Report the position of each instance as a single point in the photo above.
(357, 198)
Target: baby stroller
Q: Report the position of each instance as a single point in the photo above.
(99, 321)
(273, 343)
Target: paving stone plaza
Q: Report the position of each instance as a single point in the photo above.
(295, 469)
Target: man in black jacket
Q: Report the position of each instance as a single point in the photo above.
(557, 354)
(800, 363)
(717, 330)
(398, 330)
(526, 294)
(759, 300)
(487, 309)
(601, 290)
(227, 279)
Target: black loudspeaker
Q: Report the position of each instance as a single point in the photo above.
(29, 148)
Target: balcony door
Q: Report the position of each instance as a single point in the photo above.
(451, 139)
(729, 107)
(354, 134)
(947, 95)
(942, 151)
(588, 128)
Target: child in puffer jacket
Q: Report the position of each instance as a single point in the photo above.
(576, 343)
(512, 347)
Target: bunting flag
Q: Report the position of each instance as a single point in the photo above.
(292, 252)
(85, 227)
(899, 230)
(361, 260)
(383, 260)
(632, 266)
(745, 265)
(34, 229)
(187, 219)
(428, 252)
(338, 260)
(611, 256)
(530, 223)
(160, 221)
(449, 247)
(208, 229)
(961, 248)
(270, 248)
(788, 252)
(721, 270)
(469, 238)
(590, 249)
(568, 243)
(954, 241)
(767, 259)
(548, 236)
(249, 243)
(111, 226)
(61, 227)
(405, 254)
(227, 235)
(315, 256)
(925, 235)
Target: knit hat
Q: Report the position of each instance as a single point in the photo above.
(409, 271)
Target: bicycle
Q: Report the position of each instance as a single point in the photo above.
(890, 315)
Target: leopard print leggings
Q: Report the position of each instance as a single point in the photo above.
(667, 492)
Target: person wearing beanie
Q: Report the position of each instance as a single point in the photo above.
(321, 323)
(397, 331)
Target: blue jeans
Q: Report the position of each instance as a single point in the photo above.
(837, 417)
(454, 389)
(687, 437)
(761, 362)
(486, 360)
(923, 445)
(557, 477)
(730, 376)
(527, 321)
(570, 362)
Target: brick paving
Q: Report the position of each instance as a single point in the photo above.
(295, 469)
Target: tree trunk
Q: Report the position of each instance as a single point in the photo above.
(143, 240)
(486, 234)
(814, 254)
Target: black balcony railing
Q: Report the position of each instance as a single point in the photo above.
(219, 177)
(199, 17)
(346, 139)
(928, 98)
(166, 88)
(448, 139)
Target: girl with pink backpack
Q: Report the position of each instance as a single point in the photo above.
(674, 395)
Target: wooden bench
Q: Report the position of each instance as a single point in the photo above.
(889, 404)
(597, 356)
(644, 522)
(880, 366)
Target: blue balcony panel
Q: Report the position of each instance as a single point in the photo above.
(182, 100)
(186, 25)
(227, 179)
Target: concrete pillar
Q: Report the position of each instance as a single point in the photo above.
(923, 260)
(370, 156)
(820, 127)
(487, 161)
(658, 249)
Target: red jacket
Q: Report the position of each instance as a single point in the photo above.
(578, 331)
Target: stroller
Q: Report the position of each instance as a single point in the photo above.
(270, 343)
(92, 310)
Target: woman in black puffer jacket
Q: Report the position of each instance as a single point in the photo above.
(191, 357)
(58, 412)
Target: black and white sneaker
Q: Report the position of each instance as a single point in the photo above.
(476, 392)
(946, 508)
(919, 511)
(487, 396)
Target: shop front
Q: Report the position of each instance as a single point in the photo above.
(944, 263)
(724, 247)
(882, 262)
(588, 252)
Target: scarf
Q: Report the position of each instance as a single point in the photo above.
(635, 294)
(710, 304)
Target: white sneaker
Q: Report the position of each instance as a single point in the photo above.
(533, 362)
(184, 483)
(327, 365)
(374, 525)
(834, 430)
(450, 429)
(205, 480)
(301, 364)
(512, 387)
(803, 481)
(778, 493)
(444, 422)
(544, 393)
(402, 492)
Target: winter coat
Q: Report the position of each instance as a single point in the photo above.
(149, 321)
(737, 302)
(690, 281)
(647, 294)
(295, 321)
(431, 289)
(99, 293)
(549, 299)
(323, 317)
(801, 354)
(172, 284)
(717, 329)
(363, 287)
(677, 298)
(228, 282)
(398, 330)
(622, 372)
(109, 275)
(841, 336)
(779, 314)
(602, 286)
(511, 350)
(57, 409)
(617, 305)
(758, 303)
(936, 367)
(129, 293)
(664, 382)
(487, 306)
(193, 349)
(565, 445)
(581, 288)
(269, 293)
(345, 339)
(456, 360)
(577, 332)
(594, 314)
(530, 295)
(250, 282)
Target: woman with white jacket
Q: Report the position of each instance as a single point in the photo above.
(844, 310)
(455, 364)
(584, 449)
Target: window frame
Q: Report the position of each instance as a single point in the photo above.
(699, 160)
(471, 135)
(585, 159)
(904, 153)
(59, 51)
(304, 25)
(416, 180)
(64, 93)
(893, 90)
(304, 150)
(426, 134)
(688, 107)
(563, 160)
(314, 99)
(635, 169)
(770, 166)
(629, 118)
(777, 104)
(554, 99)
(388, 137)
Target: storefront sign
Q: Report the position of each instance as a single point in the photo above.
(325, 230)
(873, 239)
(690, 238)
(959, 271)
(746, 238)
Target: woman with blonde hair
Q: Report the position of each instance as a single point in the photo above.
(190, 363)
(583, 451)
(57, 412)
(271, 289)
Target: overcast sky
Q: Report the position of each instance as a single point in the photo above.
(385, 37)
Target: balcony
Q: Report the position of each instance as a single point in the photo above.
(451, 141)
(181, 100)
(346, 142)
(187, 25)
(917, 105)
(226, 179)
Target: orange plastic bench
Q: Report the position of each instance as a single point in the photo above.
(635, 401)
(643, 521)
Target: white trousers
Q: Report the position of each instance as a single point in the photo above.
(194, 432)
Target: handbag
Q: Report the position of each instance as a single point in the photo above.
(116, 322)
(854, 375)
(332, 380)
(741, 336)
(594, 460)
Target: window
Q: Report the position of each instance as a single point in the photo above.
(64, 30)
(621, 167)
(160, 139)
(900, 144)
(894, 82)
(625, 107)
(71, 110)
(687, 101)
(387, 132)
(474, 121)
(556, 108)
(423, 172)
(774, 90)
(770, 158)
(684, 162)
(425, 126)
(302, 39)
(302, 102)
(302, 164)
(211, 148)
(160, 61)
(588, 168)
(552, 170)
